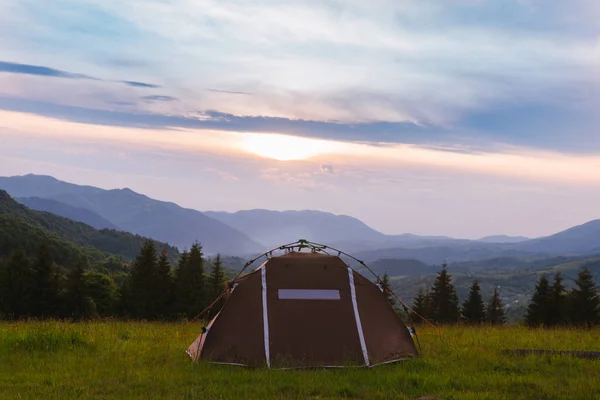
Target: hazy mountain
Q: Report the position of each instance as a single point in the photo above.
(274, 228)
(400, 267)
(581, 239)
(503, 239)
(254, 231)
(136, 213)
(23, 227)
(577, 241)
(43, 186)
(439, 254)
(65, 210)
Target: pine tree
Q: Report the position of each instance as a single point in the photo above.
(495, 313)
(584, 300)
(143, 279)
(191, 291)
(103, 292)
(557, 304)
(421, 306)
(125, 301)
(538, 310)
(44, 295)
(473, 309)
(165, 286)
(444, 301)
(179, 288)
(78, 304)
(216, 284)
(16, 284)
(385, 284)
(217, 278)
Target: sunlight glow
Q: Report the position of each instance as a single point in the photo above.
(286, 148)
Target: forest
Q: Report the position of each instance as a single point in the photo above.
(151, 288)
(148, 288)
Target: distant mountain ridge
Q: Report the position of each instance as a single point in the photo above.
(251, 232)
(23, 227)
(65, 210)
(580, 239)
(503, 239)
(137, 213)
(272, 228)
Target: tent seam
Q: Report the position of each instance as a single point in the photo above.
(265, 316)
(361, 335)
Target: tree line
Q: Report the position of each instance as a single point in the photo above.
(550, 305)
(553, 305)
(150, 288)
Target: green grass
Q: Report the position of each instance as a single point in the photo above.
(108, 360)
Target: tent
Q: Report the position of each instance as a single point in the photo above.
(304, 309)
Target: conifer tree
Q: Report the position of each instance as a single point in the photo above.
(217, 278)
(191, 291)
(557, 303)
(495, 313)
(165, 286)
(538, 310)
(143, 280)
(385, 284)
(585, 300)
(421, 306)
(78, 304)
(103, 292)
(16, 286)
(44, 294)
(179, 286)
(125, 301)
(444, 301)
(473, 309)
(216, 284)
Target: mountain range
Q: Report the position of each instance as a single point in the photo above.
(68, 240)
(251, 232)
(131, 212)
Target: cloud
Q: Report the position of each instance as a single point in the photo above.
(453, 68)
(227, 91)
(544, 129)
(327, 169)
(38, 70)
(298, 179)
(140, 84)
(224, 175)
(159, 98)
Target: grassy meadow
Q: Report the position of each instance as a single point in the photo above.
(109, 360)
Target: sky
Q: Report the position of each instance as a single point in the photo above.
(463, 118)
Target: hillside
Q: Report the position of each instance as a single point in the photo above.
(253, 231)
(440, 254)
(400, 267)
(139, 214)
(65, 210)
(273, 228)
(23, 227)
(581, 239)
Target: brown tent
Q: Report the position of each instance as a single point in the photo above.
(304, 310)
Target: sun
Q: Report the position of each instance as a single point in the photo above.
(285, 147)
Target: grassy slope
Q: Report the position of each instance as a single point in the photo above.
(103, 361)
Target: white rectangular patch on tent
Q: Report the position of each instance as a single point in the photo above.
(308, 294)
